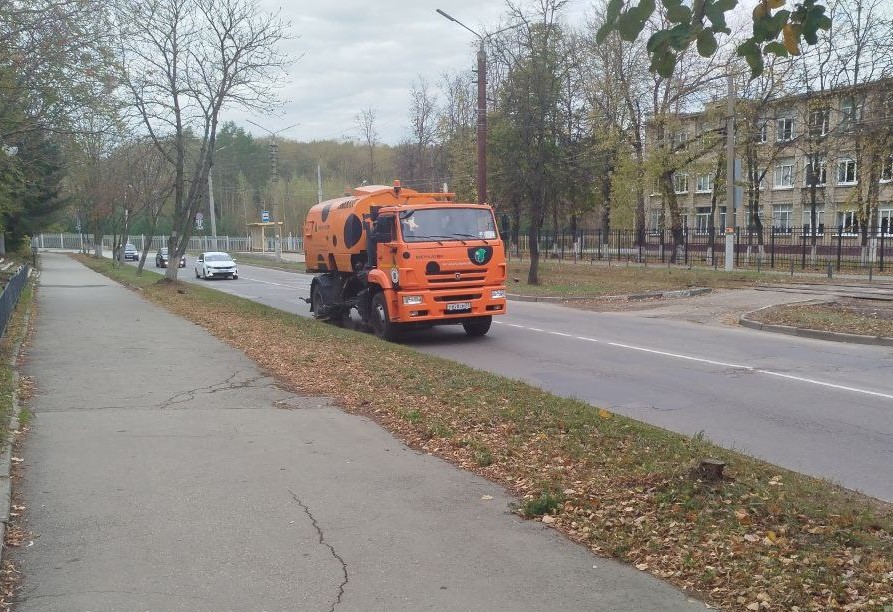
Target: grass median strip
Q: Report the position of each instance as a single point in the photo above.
(756, 538)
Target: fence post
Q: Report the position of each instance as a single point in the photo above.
(839, 245)
(802, 255)
(881, 256)
(737, 247)
(772, 248)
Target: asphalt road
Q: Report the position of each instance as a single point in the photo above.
(816, 407)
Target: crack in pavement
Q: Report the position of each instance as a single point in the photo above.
(226, 385)
(322, 540)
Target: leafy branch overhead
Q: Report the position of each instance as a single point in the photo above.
(780, 33)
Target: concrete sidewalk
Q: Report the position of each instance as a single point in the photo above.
(164, 471)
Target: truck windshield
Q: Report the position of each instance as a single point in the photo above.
(454, 223)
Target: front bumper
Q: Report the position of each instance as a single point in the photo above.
(222, 272)
(438, 305)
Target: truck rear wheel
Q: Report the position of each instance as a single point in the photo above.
(478, 326)
(381, 322)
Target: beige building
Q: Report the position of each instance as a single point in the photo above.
(821, 130)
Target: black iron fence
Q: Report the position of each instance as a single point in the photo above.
(9, 297)
(781, 249)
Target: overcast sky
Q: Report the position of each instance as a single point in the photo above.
(357, 54)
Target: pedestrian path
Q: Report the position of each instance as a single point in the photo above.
(165, 472)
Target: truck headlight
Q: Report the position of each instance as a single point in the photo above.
(412, 300)
(497, 294)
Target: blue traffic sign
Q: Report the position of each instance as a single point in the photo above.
(265, 216)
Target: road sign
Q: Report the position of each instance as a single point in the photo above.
(265, 216)
(199, 220)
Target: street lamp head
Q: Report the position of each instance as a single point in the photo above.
(453, 19)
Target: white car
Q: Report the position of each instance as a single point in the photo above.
(216, 264)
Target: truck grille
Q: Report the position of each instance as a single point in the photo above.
(457, 298)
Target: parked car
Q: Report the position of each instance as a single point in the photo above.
(161, 259)
(215, 264)
(130, 252)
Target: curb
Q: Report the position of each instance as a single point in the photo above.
(814, 334)
(677, 293)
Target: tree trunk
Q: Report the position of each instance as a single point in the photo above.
(533, 235)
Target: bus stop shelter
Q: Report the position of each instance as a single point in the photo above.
(259, 233)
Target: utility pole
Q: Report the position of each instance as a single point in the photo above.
(274, 178)
(482, 103)
(730, 171)
(211, 207)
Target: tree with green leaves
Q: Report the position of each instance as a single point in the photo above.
(527, 128)
(776, 31)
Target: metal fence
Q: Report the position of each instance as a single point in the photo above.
(197, 244)
(788, 249)
(9, 297)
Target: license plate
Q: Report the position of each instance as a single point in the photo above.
(458, 306)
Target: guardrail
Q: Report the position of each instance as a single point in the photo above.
(9, 297)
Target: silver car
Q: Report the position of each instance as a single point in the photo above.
(215, 264)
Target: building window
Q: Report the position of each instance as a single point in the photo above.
(887, 170)
(784, 129)
(815, 166)
(850, 111)
(657, 220)
(784, 174)
(885, 221)
(680, 182)
(819, 221)
(702, 219)
(818, 122)
(846, 172)
(782, 218)
(722, 217)
(679, 139)
(758, 179)
(751, 220)
(762, 131)
(705, 183)
(847, 222)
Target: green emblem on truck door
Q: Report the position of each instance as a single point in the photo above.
(480, 255)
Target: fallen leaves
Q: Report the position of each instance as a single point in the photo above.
(762, 541)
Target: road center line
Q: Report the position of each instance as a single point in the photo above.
(255, 280)
(736, 366)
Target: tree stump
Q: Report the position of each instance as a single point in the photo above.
(710, 469)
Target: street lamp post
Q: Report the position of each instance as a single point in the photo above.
(482, 104)
(482, 110)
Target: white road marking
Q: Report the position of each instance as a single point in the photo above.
(736, 366)
(257, 280)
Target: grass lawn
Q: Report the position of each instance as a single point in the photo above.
(761, 538)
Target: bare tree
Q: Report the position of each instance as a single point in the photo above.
(416, 161)
(369, 136)
(184, 61)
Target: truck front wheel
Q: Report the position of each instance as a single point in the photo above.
(478, 326)
(381, 322)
